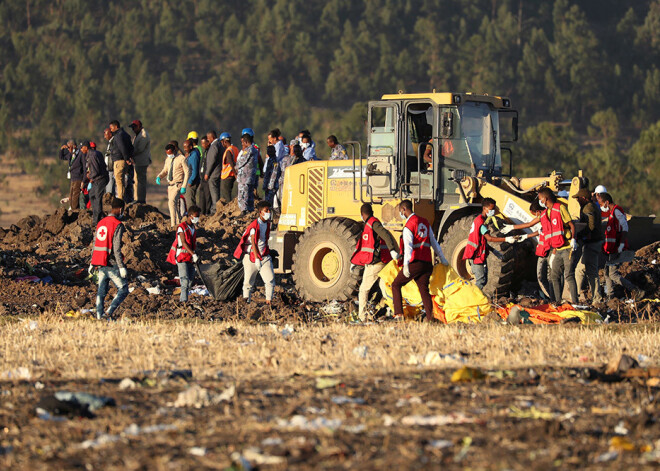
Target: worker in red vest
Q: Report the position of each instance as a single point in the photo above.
(182, 253)
(560, 237)
(542, 248)
(616, 242)
(375, 248)
(477, 248)
(416, 258)
(107, 258)
(253, 248)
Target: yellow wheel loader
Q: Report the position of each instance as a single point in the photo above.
(444, 152)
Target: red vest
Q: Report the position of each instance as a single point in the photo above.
(613, 232)
(191, 240)
(420, 229)
(245, 241)
(555, 237)
(542, 248)
(364, 252)
(477, 247)
(105, 231)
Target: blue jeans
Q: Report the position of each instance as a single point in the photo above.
(186, 276)
(480, 272)
(106, 275)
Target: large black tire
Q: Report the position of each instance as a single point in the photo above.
(500, 271)
(322, 261)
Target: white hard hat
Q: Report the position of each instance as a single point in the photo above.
(600, 189)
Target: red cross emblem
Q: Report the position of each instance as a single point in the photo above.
(102, 233)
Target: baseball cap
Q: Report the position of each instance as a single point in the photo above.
(600, 189)
(137, 123)
(92, 144)
(84, 144)
(582, 193)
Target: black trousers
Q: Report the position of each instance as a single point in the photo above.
(96, 197)
(204, 197)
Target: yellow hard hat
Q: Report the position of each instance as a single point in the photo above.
(192, 135)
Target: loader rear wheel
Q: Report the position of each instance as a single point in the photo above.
(500, 272)
(322, 260)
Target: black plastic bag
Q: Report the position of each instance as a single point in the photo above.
(224, 284)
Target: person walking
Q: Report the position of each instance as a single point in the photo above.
(416, 258)
(253, 249)
(616, 242)
(375, 248)
(177, 172)
(590, 241)
(246, 169)
(121, 153)
(142, 159)
(96, 175)
(108, 260)
(182, 253)
(192, 160)
(477, 248)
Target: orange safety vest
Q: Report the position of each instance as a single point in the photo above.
(542, 248)
(613, 232)
(555, 238)
(191, 239)
(105, 231)
(226, 168)
(477, 247)
(245, 242)
(420, 229)
(366, 246)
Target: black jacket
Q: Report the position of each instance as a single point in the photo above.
(123, 146)
(96, 167)
(77, 166)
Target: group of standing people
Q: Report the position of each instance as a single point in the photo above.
(566, 255)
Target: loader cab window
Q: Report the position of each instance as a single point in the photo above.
(420, 125)
(382, 129)
(480, 128)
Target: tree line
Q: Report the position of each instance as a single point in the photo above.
(584, 75)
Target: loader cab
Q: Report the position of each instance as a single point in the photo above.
(416, 143)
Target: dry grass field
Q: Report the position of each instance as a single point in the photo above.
(325, 396)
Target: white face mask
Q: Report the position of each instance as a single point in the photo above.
(401, 215)
(194, 219)
(265, 216)
(604, 208)
(169, 156)
(542, 204)
(304, 145)
(490, 213)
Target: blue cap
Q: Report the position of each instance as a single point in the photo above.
(247, 131)
(225, 135)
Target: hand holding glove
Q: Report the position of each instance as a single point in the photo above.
(195, 258)
(183, 190)
(406, 271)
(621, 246)
(394, 254)
(123, 273)
(506, 229)
(510, 239)
(574, 245)
(157, 180)
(523, 237)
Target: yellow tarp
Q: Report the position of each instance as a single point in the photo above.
(454, 299)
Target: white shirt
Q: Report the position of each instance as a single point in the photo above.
(280, 151)
(623, 222)
(408, 244)
(261, 243)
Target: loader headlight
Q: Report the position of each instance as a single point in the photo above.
(457, 99)
(506, 103)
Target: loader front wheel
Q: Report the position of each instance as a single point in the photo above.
(500, 270)
(322, 260)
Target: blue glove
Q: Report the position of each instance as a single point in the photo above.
(89, 186)
(157, 180)
(183, 191)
